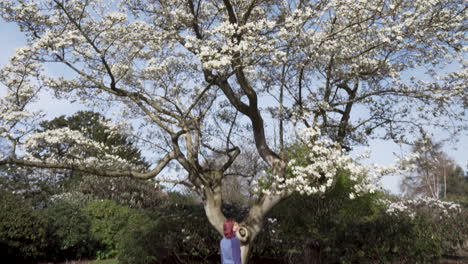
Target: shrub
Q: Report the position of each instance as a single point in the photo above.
(107, 221)
(289, 230)
(174, 232)
(347, 237)
(336, 229)
(454, 233)
(22, 231)
(136, 245)
(130, 192)
(177, 198)
(385, 239)
(447, 220)
(68, 232)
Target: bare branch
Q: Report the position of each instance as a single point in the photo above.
(105, 172)
(232, 158)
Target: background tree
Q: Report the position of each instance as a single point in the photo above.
(238, 186)
(435, 174)
(196, 76)
(457, 186)
(466, 173)
(432, 168)
(31, 184)
(94, 126)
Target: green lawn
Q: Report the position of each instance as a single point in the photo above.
(107, 261)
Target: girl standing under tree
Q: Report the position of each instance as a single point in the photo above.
(230, 245)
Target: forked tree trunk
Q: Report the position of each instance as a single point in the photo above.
(253, 223)
(212, 205)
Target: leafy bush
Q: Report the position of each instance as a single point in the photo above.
(107, 221)
(23, 235)
(336, 229)
(174, 232)
(289, 229)
(68, 232)
(447, 220)
(133, 247)
(344, 239)
(177, 198)
(454, 233)
(384, 239)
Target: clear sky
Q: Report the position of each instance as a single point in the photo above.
(382, 152)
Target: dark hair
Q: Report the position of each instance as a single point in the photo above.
(227, 228)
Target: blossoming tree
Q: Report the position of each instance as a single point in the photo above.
(194, 75)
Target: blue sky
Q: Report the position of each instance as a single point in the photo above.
(382, 152)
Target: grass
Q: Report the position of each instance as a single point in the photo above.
(106, 261)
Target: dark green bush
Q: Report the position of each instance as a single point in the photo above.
(384, 239)
(339, 229)
(454, 232)
(23, 236)
(177, 198)
(136, 245)
(69, 232)
(174, 232)
(336, 229)
(302, 220)
(348, 238)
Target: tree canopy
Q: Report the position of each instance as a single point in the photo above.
(195, 77)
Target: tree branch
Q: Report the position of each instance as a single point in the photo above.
(104, 172)
(231, 12)
(231, 159)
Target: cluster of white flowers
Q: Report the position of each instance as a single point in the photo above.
(77, 147)
(71, 197)
(410, 207)
(20, 79)
(60, 135)
(120, 127)
(324, 159)
(272, 220)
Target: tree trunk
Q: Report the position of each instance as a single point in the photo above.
(214, 214)
(213, 202)
(253, 223)
(445, 183)
(246, 235)
(245, 248)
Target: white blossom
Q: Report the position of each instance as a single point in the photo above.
(411, 207)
